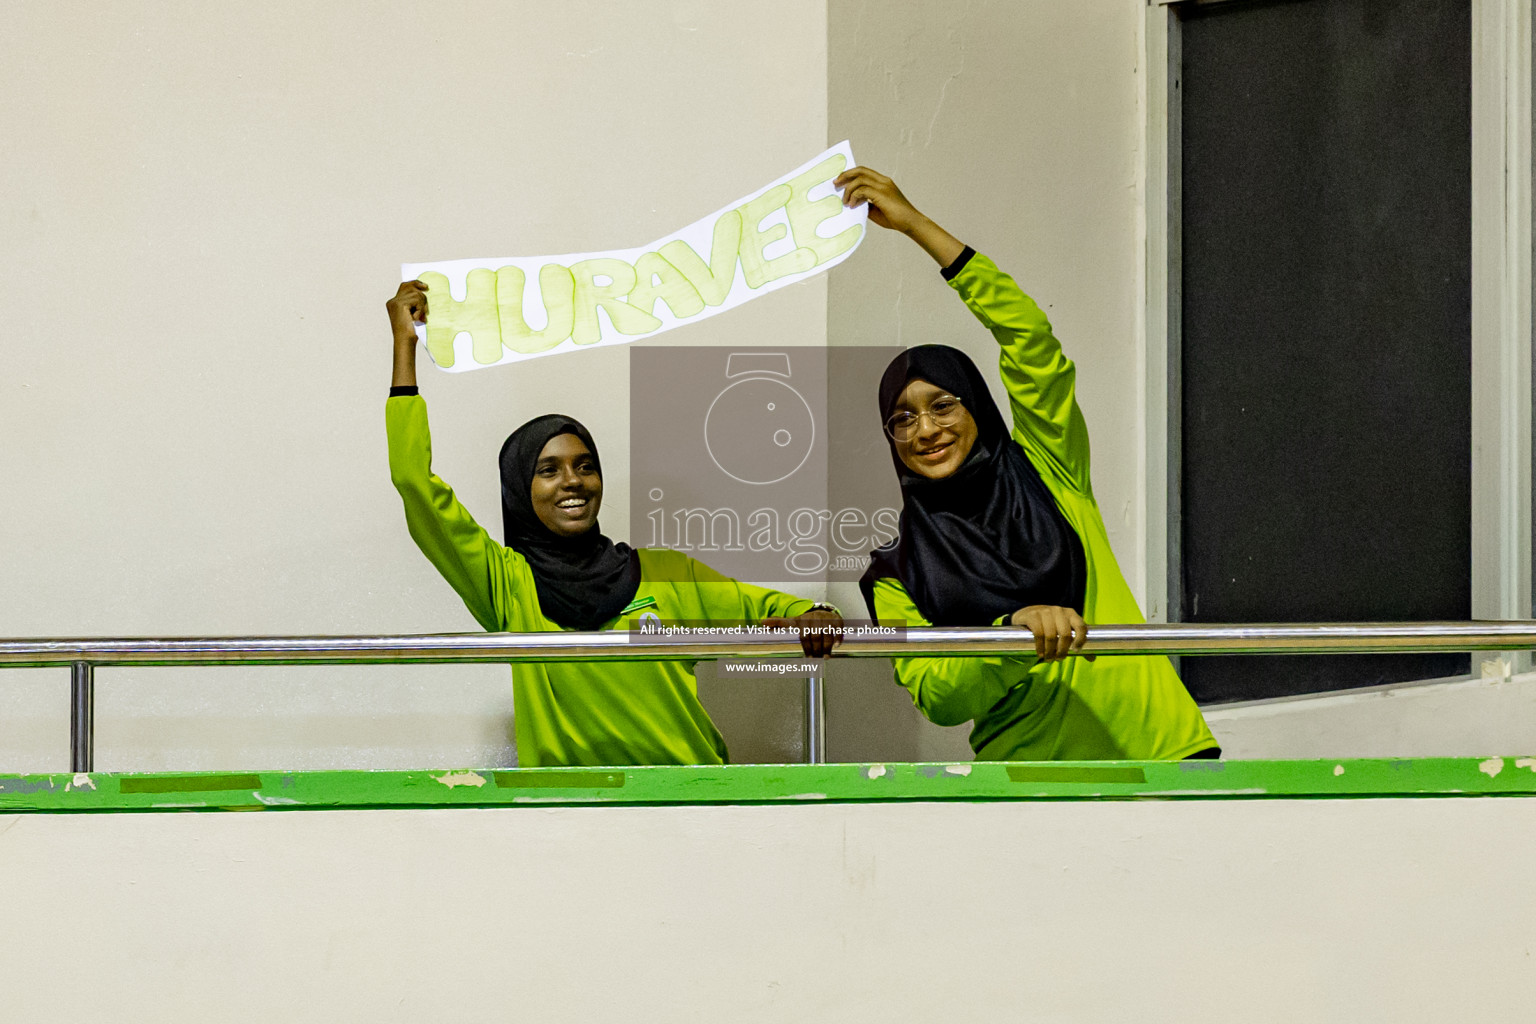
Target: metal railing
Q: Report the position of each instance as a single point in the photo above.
(82, 656)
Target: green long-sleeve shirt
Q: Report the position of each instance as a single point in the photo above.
(570, 713)
(1112, 708)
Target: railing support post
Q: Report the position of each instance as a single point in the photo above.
(82, 713)
(815, 720)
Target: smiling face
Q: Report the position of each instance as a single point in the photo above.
(933, 451)
(567, 488)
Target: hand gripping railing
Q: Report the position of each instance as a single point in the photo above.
(83, 655)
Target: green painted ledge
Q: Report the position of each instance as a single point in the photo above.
(760, 784)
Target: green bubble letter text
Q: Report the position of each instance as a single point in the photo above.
(558, 292)
(610, 296)
(476, 315)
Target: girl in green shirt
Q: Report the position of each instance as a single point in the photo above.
(1001, 527)
(558, 570)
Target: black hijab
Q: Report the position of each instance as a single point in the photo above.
(582, 581)
(986, 540)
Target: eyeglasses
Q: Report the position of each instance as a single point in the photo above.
(944, 411)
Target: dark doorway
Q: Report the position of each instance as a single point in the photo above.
(1326, 349)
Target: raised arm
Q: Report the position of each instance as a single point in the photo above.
(466, 556)
(407, 309)
(1040, 379)
(890, 209)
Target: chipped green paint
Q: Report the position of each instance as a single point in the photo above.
(756, 784)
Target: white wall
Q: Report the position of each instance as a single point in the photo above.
(1014, 123)
(1158, 911)
(1446, 718)
(204, 208)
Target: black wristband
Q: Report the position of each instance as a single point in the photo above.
(400, 390)
(954, 268)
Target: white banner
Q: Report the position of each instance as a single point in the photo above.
(490, 311)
